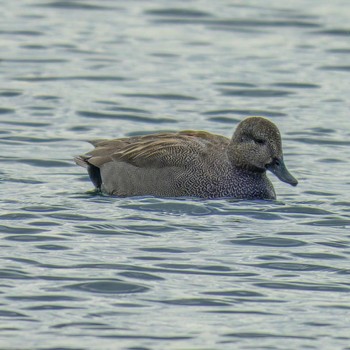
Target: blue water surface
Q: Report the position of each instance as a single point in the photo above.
(79, 270)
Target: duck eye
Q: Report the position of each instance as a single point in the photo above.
(260, 142)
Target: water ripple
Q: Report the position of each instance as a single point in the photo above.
(109, 287)
(285, 266)
(261, 93)
(13, 274)
(7, 313)
(195, 302)
(340, 222)
(245, 112)
(254, 335)
(39, 79)
(74, 5)
(123, 116)
(178, 12)
(336, 68)
(175, 97)
(297, 85)
(334, 32)
(269, 242)
(6, 110)
(319, 256)
(314, 287)
(236, 23)
(10, 93)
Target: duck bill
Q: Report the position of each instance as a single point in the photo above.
(278, 168)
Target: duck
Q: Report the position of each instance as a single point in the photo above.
(191, 163)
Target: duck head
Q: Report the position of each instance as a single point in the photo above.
(256, 146)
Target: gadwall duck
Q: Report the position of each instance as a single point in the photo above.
(191, 163)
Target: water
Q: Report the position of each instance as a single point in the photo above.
(83, 271)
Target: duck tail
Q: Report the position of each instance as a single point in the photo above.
(93, 171)
(82, 161)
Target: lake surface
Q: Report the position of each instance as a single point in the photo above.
(85, 271)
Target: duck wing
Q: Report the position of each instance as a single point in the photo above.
(155, 150)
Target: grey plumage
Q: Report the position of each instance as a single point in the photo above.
(191, 163)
